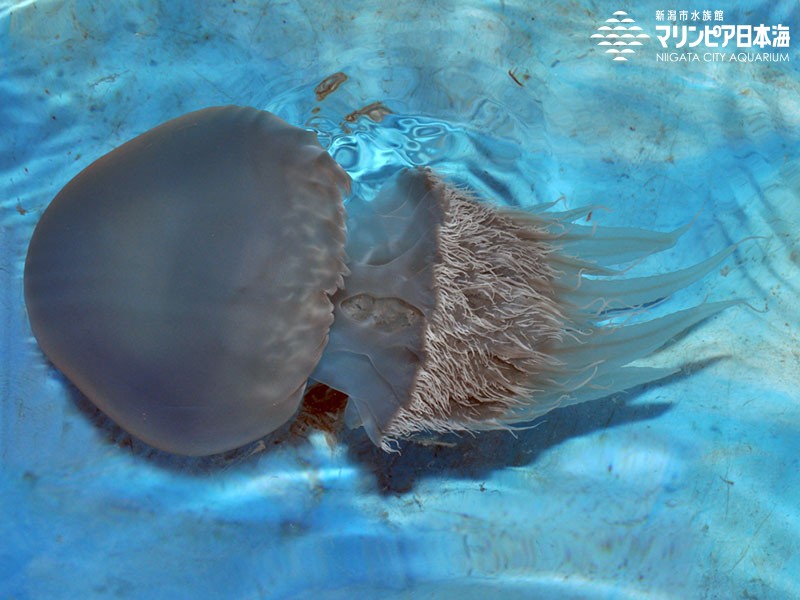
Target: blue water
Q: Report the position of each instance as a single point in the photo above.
(686, 489)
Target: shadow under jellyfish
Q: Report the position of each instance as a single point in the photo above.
(193, 280)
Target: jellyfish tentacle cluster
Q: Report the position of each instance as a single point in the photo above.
(511, 327)
(192, 281)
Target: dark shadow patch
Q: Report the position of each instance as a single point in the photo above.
(476, 456)
(467, 456)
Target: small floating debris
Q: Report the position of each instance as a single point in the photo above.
(375, 112)
(329, 85)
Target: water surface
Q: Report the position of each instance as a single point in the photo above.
(685, 489)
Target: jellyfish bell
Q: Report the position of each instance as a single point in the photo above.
(182, 281)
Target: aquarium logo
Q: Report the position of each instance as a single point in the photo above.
(695, 36)
(708, 40)
(719, 43)
(620, 35)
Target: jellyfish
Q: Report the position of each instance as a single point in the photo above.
(192, 282)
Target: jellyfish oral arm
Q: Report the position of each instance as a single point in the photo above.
(506, 313)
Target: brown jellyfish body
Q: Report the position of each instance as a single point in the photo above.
(458, 315)
(181, 281)
(191, 282)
